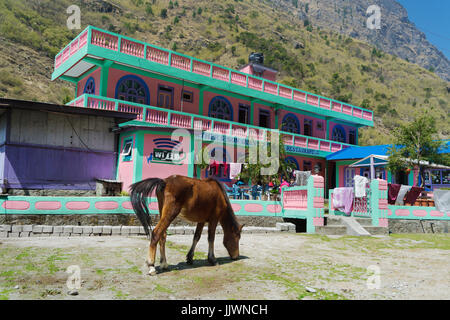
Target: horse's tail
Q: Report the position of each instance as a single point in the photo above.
(139, 193)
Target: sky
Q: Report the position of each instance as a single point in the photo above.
(432, 17)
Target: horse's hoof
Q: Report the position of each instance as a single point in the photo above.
(189, 260)
(213, 262)
(164, 266)
(152, 271)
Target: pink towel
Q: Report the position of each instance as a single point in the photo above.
(343, 199)
(235, 169)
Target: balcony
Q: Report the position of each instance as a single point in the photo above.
(238, 132)
(94, 45)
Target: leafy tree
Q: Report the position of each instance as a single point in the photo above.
(415, 144)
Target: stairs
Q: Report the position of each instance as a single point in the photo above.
(340, 225)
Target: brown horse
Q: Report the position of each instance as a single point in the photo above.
(200, 201)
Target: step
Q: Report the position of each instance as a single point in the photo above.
(332, 230)
(364, 221)
(377, 230)
(333, 221)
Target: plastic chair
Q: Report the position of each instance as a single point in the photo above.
(256, 192)
(236, 193)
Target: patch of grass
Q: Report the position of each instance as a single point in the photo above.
(185, 249)
(160, 288)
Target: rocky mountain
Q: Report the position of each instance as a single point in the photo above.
(397, 34)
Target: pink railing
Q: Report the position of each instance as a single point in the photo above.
(83, 39)
(285, 92)
(201, 68)
(335, 147)
(288, 139)
(104, 40)
(254, 83)
(313, 100)
(96, 103)
(132, 48)
(74, 46)
(220, 73)
(300, 142)
(202, 124)
(139, 111)
(180, 120)
(325, 146)
(300, 96)
(66, 54)
(313, 144)
(239, 79)
(181, 62)
(238, 131)
(158, 56)
(346, 109)
(256, 134)
(335, 106)
(270, 88)
(367, 115)
(78, 102)
(157, 116)
(325, 103)
(221, 127)
(295, 199)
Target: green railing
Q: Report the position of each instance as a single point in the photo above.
(176, 119)
(135, 48)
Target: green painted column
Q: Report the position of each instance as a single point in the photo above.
(139, 156)
(328, 130)
(252, 110)
(104, 78)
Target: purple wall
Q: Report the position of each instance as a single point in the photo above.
(45, 167)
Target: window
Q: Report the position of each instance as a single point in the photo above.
(446, 177)
(319, 125)
(220, 108)
(264, 118)
(244, 114)
(89, 87)
(165, 97)
(436, 176)
(293, 162)
(290, 123)
(338, 134)
(352, 137)
(188, 96)
(133, 89)
(349, 174)
(307, 128)
(127, 150)
(307, 165)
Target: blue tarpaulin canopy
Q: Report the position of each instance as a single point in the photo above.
(371, 161)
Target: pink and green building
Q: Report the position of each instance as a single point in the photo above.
(166, 90)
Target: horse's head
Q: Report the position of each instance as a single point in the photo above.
(231, 241)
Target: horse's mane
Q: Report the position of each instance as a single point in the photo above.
(230, 210)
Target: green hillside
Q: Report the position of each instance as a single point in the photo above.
(225, 32)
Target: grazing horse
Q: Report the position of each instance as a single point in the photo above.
(200, 201)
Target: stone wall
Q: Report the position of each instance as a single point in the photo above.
(418, 226)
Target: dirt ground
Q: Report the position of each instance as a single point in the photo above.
(281, 266)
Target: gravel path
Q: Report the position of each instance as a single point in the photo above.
(272, 266)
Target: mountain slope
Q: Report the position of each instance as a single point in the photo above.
(398, 35)
(225, 32)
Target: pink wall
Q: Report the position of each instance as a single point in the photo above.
(152, 84)
(126, 168)
(301, 118)
(346, 128)
(96, 75)
(162, 170)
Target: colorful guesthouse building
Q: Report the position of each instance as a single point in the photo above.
(164, 90)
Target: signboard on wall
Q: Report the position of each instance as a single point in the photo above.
(166, 151)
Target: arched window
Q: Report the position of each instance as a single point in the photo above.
(290, 123)
(220, 108)
(89, 87)
(133, 89)
(293, 161)
(338, 134)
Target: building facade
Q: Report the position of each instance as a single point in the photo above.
(166, 90)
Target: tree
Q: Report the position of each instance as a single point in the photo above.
(416, 143)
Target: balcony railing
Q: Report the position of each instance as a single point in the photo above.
(114, 42)
(177, 119)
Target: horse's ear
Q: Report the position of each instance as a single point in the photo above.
(241, 227)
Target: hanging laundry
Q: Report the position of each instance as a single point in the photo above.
(393, 190)
(412, 195)
(360, 186)
(401, 194)
(301, 177)
(343, 199)
(442, 200)
(235, 169)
